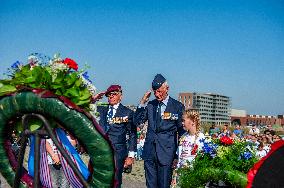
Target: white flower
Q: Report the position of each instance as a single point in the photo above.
(56, 65)
(93, 109)
(89, 85)
(32, 59)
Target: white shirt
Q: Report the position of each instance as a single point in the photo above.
(254, 131)
(164, 105)
(185, 148)
(141, 143)
(115, 107)
(261, 153)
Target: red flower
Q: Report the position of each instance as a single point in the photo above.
(71, 63)
(194, 149)
(226, 140)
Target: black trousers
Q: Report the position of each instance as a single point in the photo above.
(120, 156)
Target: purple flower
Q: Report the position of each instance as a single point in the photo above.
(210, 148)
(246, 155)
(15, 65)
(86, 76)
(38, 59)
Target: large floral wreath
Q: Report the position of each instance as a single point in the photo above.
(55, 88)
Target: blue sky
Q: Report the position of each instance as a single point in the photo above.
(234, 48)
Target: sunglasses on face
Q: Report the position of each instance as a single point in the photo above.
(113, 94)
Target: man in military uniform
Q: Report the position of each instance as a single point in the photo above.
(164, 115)
(116, 121)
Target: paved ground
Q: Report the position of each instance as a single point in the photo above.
(3, 182)
(136, 178)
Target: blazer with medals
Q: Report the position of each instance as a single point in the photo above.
(118, 127)
(161, 141)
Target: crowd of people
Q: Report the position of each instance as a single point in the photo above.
(261, 140)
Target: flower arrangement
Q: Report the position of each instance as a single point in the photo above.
(60, 76)
(219, 159)
(57, 90)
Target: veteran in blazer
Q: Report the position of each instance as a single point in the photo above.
(164, 115)
(117, 122)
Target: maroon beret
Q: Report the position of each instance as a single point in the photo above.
(113, 88)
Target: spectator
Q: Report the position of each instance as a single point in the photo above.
(138, 132)
(234, 136)
(269, 130)
(140, 146)
(238, 131)
(266, 143)
(261, 152)
(269, 137)
(254, 141)
(276, 138)
(254, 130)
(15, 141)
(225, 131)
(213, 130)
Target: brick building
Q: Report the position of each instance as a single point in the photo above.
(259, 120)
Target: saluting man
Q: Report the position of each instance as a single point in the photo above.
(117, 122)
(164, 115)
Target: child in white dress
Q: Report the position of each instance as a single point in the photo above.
(190, 142)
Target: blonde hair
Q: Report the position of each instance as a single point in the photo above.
(193, 114)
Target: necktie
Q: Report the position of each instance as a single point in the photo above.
(109, 116)
(110, 113)
(158, 115)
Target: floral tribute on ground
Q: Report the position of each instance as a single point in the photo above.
(221, 159)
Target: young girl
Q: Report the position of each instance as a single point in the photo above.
(190, 142)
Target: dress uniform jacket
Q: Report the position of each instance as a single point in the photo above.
(161, 141)
(117, 128)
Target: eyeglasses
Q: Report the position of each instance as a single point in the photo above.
(113, 93)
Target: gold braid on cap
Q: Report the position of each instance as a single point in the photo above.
(193, 114)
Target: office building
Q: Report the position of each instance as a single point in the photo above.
(213, 108)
